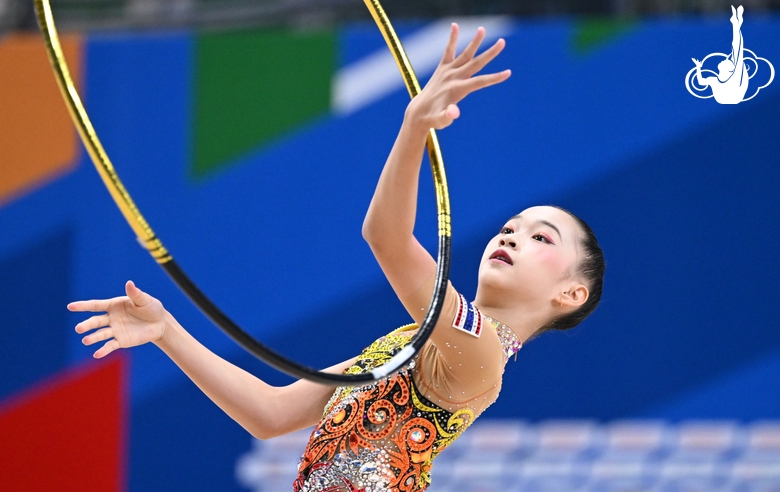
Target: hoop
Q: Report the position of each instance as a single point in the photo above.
(154, 245)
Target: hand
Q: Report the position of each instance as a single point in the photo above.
(128, 321)
(696, 62)
(436, 105)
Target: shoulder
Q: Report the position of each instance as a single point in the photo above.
(464, 352)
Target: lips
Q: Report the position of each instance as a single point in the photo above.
(501, 255)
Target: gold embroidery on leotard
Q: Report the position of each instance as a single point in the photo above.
(382, 436)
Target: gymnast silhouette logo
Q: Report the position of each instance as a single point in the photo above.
(735, 71)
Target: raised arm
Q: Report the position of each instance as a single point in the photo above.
(701, 80)
(263, 410)
(389, 224)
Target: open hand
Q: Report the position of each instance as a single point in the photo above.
(436, 105)
(696, 62)
(130, 320)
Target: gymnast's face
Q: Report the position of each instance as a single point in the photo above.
(531, 260)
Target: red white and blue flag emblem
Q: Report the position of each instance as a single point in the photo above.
(468, 317)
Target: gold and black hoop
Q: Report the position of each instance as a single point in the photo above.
(163, 257)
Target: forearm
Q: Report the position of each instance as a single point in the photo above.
(391, 215)
(389, 224)
(245, 398)
(699, 78)
(263, 410)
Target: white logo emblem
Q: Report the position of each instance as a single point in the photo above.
(730, 83)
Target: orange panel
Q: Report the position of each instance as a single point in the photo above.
(37, 139)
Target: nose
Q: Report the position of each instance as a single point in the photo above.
(508, 240)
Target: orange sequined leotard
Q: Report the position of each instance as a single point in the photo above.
(385, 435)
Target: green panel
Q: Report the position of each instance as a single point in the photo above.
(251, 86)
(590, 33)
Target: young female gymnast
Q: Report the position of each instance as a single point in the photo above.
(542, 271)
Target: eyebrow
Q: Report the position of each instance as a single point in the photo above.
(545, 222)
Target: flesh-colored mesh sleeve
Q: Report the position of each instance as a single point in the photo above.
(456, 368)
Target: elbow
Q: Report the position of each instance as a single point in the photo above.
(262, 434)
(369, 232)
(377, 243)
(273, 420)
(266, 431)
(257, 428)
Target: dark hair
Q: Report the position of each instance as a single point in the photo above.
(591, 268)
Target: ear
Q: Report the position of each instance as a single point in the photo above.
(575, 296)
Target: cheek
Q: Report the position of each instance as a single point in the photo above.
(489, 248)
(553, 261)
(485, 253)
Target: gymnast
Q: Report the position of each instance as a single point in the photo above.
(542, 271)
(731, 84)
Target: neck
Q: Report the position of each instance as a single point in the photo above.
(523, 322)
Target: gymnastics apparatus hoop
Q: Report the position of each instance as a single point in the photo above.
(152, 243)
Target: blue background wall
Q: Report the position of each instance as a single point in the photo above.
(681, 192)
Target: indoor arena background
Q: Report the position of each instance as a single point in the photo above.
(253, 153)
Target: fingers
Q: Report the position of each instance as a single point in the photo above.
(106, 349)
(91, 305)
(482, 60)
(453, 80)
(451, 113)
(139, 297)
(482, 81)
(92, 323)
(472, 48)
(446, 117)
(98, 336)
(449, 51)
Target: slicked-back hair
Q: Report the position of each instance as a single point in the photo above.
(591, 270)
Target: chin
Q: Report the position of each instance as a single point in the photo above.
(496, 284)
(495, 287)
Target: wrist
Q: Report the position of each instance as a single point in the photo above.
(168, 331)
(413, 123)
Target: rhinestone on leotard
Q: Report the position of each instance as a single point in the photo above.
(510, 342)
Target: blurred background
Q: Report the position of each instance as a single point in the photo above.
(210, 14)
(251, 135)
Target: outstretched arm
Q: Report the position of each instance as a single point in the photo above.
(389, 224)
(263, 410)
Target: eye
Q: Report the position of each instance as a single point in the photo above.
(506, 230)
(542, 238)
